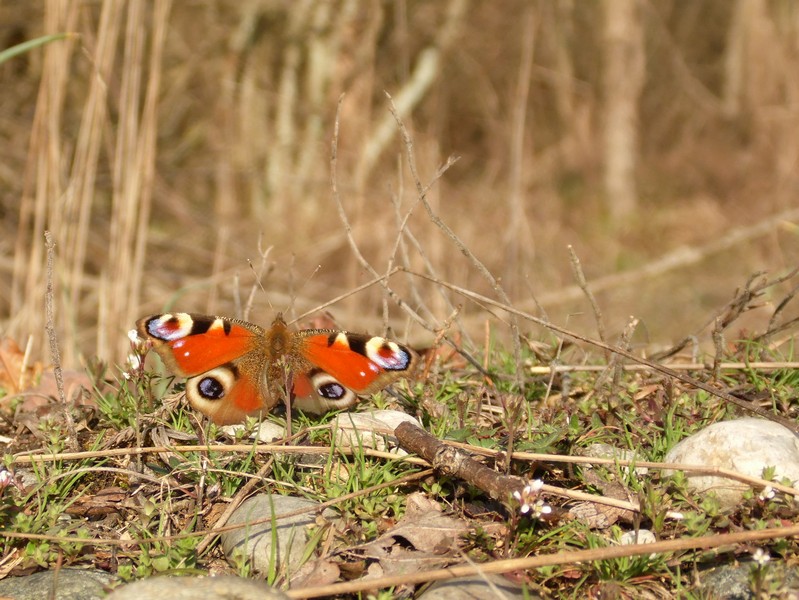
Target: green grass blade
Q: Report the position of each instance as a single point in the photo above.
(13, 51)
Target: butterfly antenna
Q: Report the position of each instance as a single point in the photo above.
(264, 270)
(293, 293)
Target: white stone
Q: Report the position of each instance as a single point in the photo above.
(370, 429)
(267, 431)
(746, 445)
(642, 536)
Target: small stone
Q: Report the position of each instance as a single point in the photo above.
(225, 587)
(475, 586)
(67, 584)
(744, 445)
(255, 540)
(266, 432)
(373, 429)
(642, 536)
(733, 582)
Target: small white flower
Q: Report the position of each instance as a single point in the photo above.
(761, 557)
(529, 500)
(134, 361)
(767, 494)
(133, 336)
(5, 477)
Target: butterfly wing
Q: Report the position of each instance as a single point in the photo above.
(345, 366)
(222, 358)
(236, 369)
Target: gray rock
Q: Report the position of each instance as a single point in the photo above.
(600, 450)
(733, 582)
(226, 587)
(744, 445)
(475, 587)
(255, 541)
(68, 584)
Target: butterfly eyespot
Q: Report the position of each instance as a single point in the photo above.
(213, 385)
(332, 390)
(211, 388)
(388, 355)
(168, 327)
(324, 392)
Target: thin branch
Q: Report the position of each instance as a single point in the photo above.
(52, 337)
(692, 366)
(579, 275)
(348, 228)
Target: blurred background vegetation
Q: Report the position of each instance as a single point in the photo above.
(164, 141)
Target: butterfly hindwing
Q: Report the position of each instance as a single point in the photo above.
(218, 355)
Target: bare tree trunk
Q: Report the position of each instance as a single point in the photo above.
(623, 79)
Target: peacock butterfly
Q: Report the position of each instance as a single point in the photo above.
(236, 369)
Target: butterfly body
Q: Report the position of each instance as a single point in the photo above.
(236, 369)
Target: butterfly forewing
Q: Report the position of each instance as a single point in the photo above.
(192, 344)
(361, 363)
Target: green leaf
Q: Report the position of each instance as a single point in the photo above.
(13, 51)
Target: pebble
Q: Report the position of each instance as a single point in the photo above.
(733, 582)
(267, 432)
(370, 429)
(746, 445)
(225, 587)
(476, 586)
(67, 583)
(642, 536)
(255, 541)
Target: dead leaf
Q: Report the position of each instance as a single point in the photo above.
(104, 502)
(419, 503)
(595, 515)
(15, 375)
(424, 538)
(602, 516)
(77, 389)
(646, 391)
(166, 437)
(10, 561)
(443, 355)
(430, 531)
